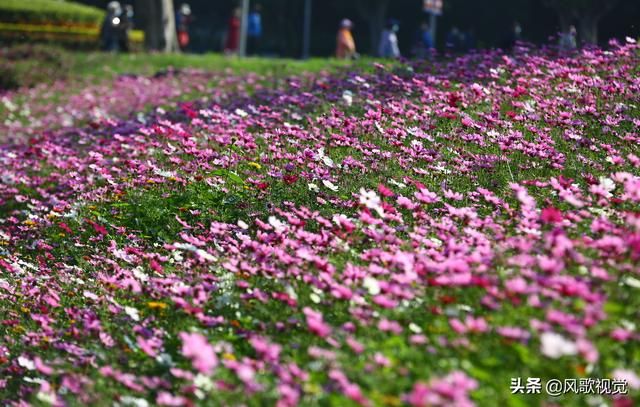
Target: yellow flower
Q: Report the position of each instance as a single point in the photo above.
(255, 165)
(29, 222)
(311, 388)
(229, 356)
(390, 400)
(156, 305)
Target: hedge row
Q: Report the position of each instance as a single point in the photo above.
(59, 33)
(51, 12)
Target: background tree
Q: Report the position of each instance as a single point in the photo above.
(588, 14)
(157, 19)
(375, 13)
(489, 20)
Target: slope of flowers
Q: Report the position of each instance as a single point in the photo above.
(409, 237)
(64, 104)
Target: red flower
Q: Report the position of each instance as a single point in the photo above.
(290, 179)
(64, 227)
(551, 215)
(98, 228)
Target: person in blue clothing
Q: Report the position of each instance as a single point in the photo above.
(455, 41)
(424, 42)
(254, 30)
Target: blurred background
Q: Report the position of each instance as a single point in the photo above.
(76, 24)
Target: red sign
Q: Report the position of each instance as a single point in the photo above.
(433, 6)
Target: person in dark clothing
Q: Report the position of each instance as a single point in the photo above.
(513, 36)
(109, 31)
(183, 20)
(470, 40)
(125, 26)
(424, 42)
(455, 40)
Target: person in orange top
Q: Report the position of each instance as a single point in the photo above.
(346, 46)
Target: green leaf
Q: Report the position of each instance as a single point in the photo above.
(612, 308)
(235, 178)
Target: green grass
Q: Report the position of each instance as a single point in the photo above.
(100, 64)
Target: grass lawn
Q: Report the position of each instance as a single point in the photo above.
(100, 64)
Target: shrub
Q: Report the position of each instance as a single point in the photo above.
(56, 12)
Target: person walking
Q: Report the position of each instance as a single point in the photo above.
(568, 40)
(183, 20)
(513, 36)
(388, 47)
(455, 40)
(232, 44)
(345, 44)
(109, 30)
(424, 42)
(125, 27)
(470, 42)
(254, 30)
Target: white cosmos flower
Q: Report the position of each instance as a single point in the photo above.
(330, 185)
(133, 401)
(372, 285)
(277, 224)
(26, 363)
(347, 97)
(47, 397)
(554, 345)
(313, 187)
(132, 313)
(396, 183)
(241, 113)
(372, 201)
(607, 184)
(164, 174)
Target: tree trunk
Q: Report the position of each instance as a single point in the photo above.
(375, 15)
(588, 29)
(157, 18)
(564, 19)
(169, 25)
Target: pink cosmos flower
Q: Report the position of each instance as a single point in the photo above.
(631, 377)
(167, 399)
(316, 323)
(426, 196)
(196, 347)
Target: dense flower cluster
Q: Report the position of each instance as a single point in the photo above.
(412, 235)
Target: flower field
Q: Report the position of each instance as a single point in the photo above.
(417, 235)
